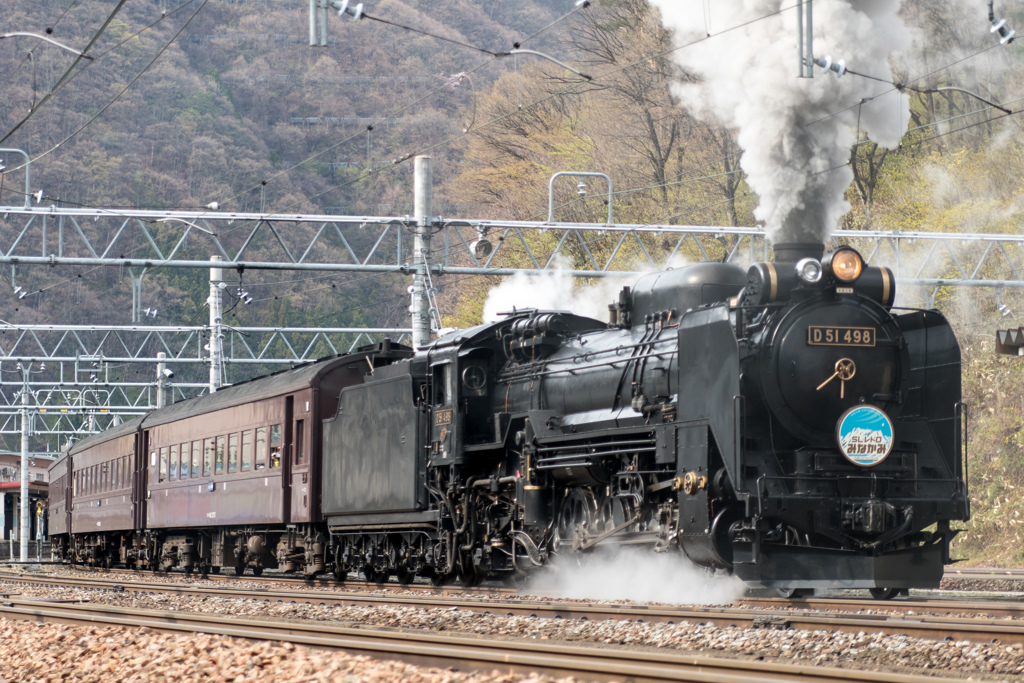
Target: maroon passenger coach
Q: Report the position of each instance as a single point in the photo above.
(229, 479)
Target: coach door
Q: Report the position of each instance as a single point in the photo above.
(138, 469)
(299, 456)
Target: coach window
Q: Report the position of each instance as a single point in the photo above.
(221, 443)
(197, 454)
(247, 450)
(173, 472)
(208, 446)
(300, 442)
(116, 480)
(163, 463)
(232, 452)
(275, 445)
(261, 448)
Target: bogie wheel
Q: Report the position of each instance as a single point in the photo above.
(215, 570)
(882, 593)
(437, 580)
(405, 577)
(239, 569)
(257, 571)
(369, 574)
(340, 575)
(794, 593)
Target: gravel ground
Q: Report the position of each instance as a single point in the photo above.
(987, 585)
(99, 655)
(859, 651)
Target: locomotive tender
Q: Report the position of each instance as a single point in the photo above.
(786, 424)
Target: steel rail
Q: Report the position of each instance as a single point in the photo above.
(472, 653)
(770, 614)
(1005, 573)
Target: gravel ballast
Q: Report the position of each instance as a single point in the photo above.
(825, 648)
(47, 653)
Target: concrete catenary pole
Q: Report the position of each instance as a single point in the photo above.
(23, 533)
(161, 381)
(216, 315)
(422, 200)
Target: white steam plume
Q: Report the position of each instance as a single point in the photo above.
(795, 138)
(636, 574)
(553, 290)
(556, 290)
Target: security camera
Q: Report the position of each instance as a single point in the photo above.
(168, 373)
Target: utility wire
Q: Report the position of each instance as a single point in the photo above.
(67, 73)
(28, 55)
(896, 87)
(129, 85)
(401, 110)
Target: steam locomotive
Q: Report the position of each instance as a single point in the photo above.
(786, 423)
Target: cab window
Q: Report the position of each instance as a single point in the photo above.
(442, 383)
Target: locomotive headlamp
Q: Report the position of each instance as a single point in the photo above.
(809, 270)
(846, 264)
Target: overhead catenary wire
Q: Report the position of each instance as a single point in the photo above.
(400, 110)
(28, 55)
(67, 73)
(894, 88)
(126, 87)
(639, 189)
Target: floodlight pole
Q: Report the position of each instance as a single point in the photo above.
(24, 518)
(422, 199)
(805, 38)
(161, 381)
(216, 321)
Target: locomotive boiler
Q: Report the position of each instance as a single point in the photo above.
(786, 423)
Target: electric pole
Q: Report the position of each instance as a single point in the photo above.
(422, 199)
(216, 315)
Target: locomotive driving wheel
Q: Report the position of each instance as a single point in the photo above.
(615, 512)
(578, 513)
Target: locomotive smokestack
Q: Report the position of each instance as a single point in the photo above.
(791, 252)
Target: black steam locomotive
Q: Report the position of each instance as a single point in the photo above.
(783, 424)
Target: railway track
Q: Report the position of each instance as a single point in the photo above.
(1011, 574)
(942, 619)
(466, 653)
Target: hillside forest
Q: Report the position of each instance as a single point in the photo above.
(188, 103)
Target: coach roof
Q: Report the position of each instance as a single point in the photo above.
(281, 382)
